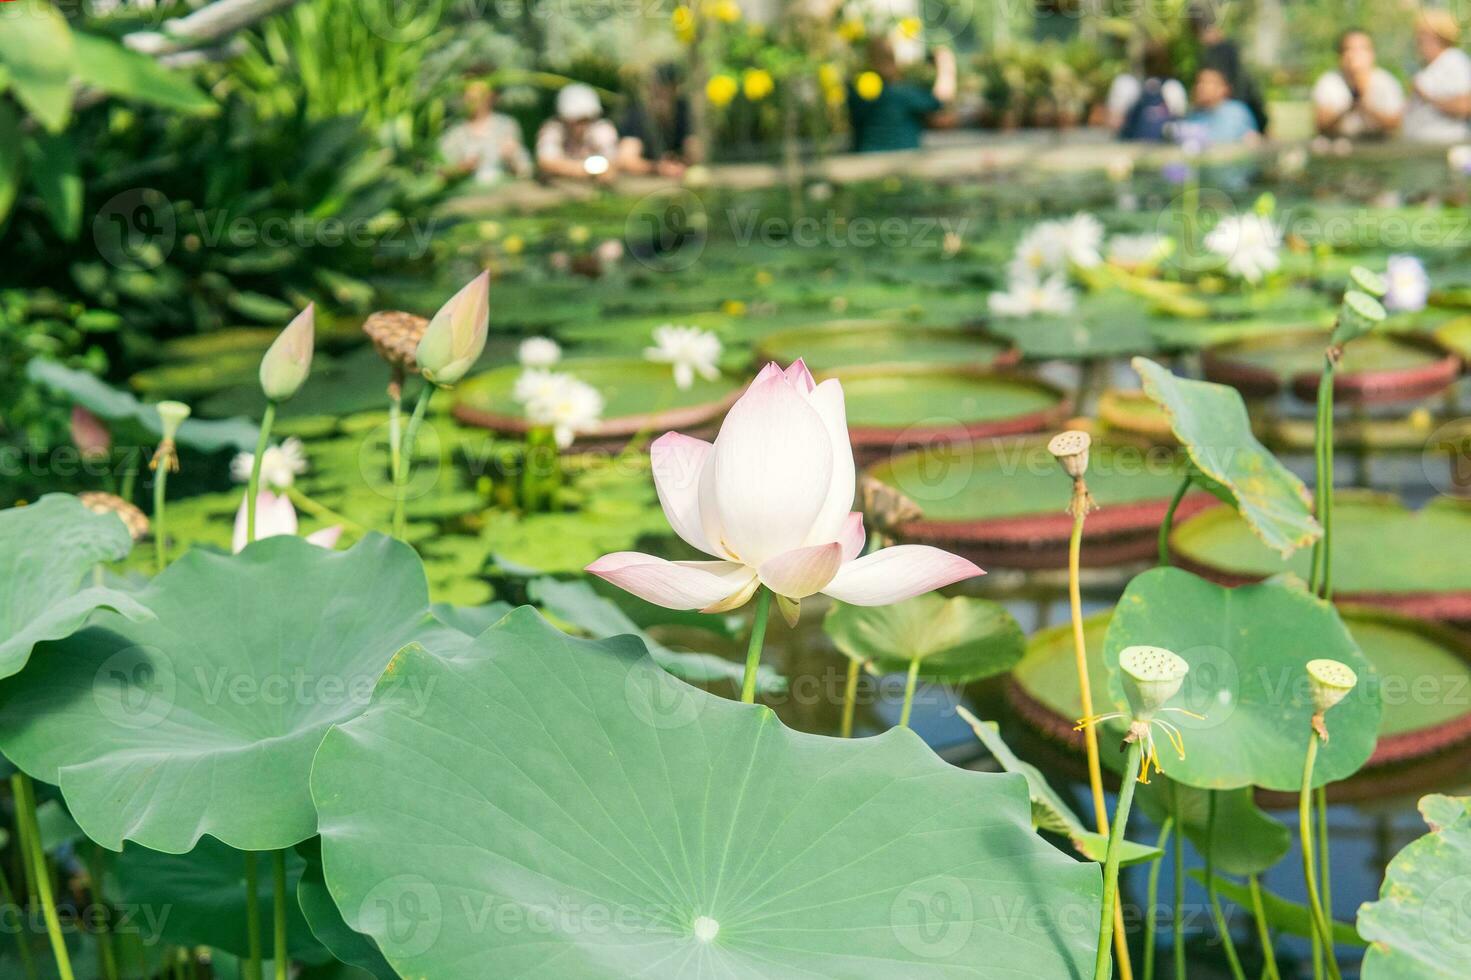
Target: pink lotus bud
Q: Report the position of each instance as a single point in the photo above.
(89, 434)
(289, 360)
(456, 336)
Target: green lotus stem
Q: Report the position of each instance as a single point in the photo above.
(1222, 928)
(1177, 922)
(850, 698)
(322, 511)
(1102, 966)
(1321, 581)
(401, 476)
(395, 423)
(22, 935)
(101, 929)
(160, 535)
(1151, 910)
(130, 476)
(25, 798)
(753, 648)
(252, 919)
(23, 841)
(278, 956)
(1169, 522)
(910, 680)
(1264, 934)
(1305, 831)
(1325, 869)
(252, 490)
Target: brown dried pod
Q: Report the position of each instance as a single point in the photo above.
(107, 503)
(396, 335)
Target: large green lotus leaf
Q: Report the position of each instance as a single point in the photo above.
(1379, 546)
(566, 808)
(205, 720)
(325, 919)
(956, 640)
(1246, 840)
(1248, 650)
(1210, 421)
(50, 547)
(1418, 926)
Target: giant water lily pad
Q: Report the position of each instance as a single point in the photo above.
(638, 396)
(1374, 368)
(1248, 650)
(917, 403)
(1103, 325)
(205, 720)
(565, 807)
(956, 640)
(854, 343)
(1210, 421)
(1418, 925)
(50, 547)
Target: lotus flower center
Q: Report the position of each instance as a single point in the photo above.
(706, 929)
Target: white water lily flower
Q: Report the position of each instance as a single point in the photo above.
(274, 516)
(538, 352)
(1082, 240)
(1409, 286)
(1250, 244)
(538, 383)
(567, 406)
(1028, 296)
(279, 468)
(1041, 250)
(771, 502)
(689, 349)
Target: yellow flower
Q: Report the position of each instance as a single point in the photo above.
(683, 20)
(514, 244)
(870, 85)
(763, 278)
(721, 89)
(577, 234)
(910, 27)
(726, 11)
(829, 75)
(852, 31)
(757, 84)
(733, 307)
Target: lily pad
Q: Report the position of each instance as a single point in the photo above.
(1116, 325)
(528, 818)
(1418, 925)
(205, 720)
(957, 640)
(1246, 840)
(1374, 368)
(1211, 422)
(855, 343)
(50, 547)
(920, 403)
(1248, 650)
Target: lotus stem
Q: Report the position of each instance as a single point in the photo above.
(25, 797)
(252, 490)
(278, 956)
(1321, 580)
(1177, 922)
(910, 680)
(395, 418)
(1263, 932)
(850, 698)
(1107, 921)
(406, 458)
(1305, 831)
(160, 534)
(1223, 929)
(1151, 909)
(1325, 869)
(322, 511)
(252, 966)
(753, 649)
(100, 927)
(1169, 522)
(22, 934)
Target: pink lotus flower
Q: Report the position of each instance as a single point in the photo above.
(771, 502)
(274, 515)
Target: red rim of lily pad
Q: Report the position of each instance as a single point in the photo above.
(1114, 410)
(689, 419)
(1221, 364)
(770, 347)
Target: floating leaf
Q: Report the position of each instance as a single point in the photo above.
(1247, 841)
(1210, 421)
(49, 548)
(565, 807)
(1248, 650)
(205, 720)
(956, 640)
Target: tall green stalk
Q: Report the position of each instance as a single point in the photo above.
(1151, 908)
(401, 477)
(25, 797)
(279, 957)
(160, 526)
(22, 933)
(252, 965)
(1102, 965)
(1223, 929)
(101, 929)
(252, 489)
(1168, 524)
(910, 680)
(1177, 920)
(850, 698)
(1309, 869)
(757, 641)
(1320, 580)
(1263, 931)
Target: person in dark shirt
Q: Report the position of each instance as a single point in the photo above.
(657, 135)
(1220, 53)
(888, 113)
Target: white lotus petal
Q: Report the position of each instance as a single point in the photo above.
(801, 572)
(674, 585)
(677, 463)
(898, 573)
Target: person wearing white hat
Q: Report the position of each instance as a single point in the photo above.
(578, 143)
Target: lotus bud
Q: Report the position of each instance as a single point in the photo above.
(89, 434)
(1152, 675)
(456, 336)
(1330, 682)
(171, 415)
(1359, 314)
(1370, 282)
(1071, 450)
(289, 360)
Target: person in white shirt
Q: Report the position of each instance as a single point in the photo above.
(1441, 103)
(1358, 99)
(578, 143)
(488, 144)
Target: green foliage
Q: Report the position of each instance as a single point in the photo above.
(957, 640)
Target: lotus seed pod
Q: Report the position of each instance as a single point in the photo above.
(455, 338)
(1331, 681)
(1359, 314)
(171, 415)
(106, 503)
(289, 360)
(1370, 282)
(1152, 675)
(1071, 450)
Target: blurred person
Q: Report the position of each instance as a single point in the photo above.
(578, 142)
(656, 132)
(1143, 109)
(1217, 117)
(1441, 91)
(1357, 99)
(1220, 53)
(488, 143)
(889, 113)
